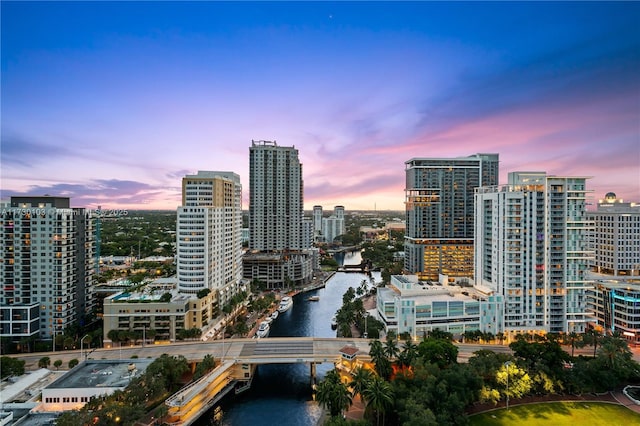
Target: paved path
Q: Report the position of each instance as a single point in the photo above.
(624, 400)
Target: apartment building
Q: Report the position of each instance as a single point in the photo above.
(439, 200)
(531, 249)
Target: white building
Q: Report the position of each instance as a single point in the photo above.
(90, 379)
(531, 249)
(317, 220)
(209, 234)
(333, 226)
(46, 266)
(616, 237)
(416, 307)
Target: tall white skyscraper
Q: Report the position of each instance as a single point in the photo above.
(531, 248)
(276, 198)
(209, 234)
(46, 266)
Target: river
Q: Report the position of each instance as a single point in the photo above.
(281, 393)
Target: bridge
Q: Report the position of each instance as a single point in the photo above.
(237, 368)
(237, 360)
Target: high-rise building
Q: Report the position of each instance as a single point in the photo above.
(279, 242)
(209, 234)
(440, 213)
(616, 237)
(531, 249)
(46, 266)
(276, 203)
(333, 226)
(317, 220)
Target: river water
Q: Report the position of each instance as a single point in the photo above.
(281, 393)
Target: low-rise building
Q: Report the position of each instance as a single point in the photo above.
(157, 313)
(88, 380)
(416, 307)
(281, 269)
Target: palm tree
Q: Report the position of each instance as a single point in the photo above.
(391, 348)
(379, 395)
(360, 381)
(614, 349)
(575, 340)
(408, 354)
(592, 337)
(379, 358)
(331, 393)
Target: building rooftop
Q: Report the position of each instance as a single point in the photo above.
(102, 373)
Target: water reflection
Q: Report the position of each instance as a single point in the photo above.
(281, 394)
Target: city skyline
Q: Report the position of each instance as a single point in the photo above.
(112, 103)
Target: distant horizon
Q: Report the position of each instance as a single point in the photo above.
(113, 103)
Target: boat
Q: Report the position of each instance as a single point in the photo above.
(334, 322)
(263, 330)
(313, 298)
(285, 304)
(268, 320)
(274, 315)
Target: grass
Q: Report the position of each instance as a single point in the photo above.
(559, 414)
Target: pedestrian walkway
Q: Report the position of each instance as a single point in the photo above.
(356, 410)
(626, 401)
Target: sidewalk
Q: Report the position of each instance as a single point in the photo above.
(624, 400)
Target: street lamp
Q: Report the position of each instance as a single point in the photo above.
(507, 364)
(82, 345)
(366, 316)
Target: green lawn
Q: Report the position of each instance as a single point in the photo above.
(559, 414)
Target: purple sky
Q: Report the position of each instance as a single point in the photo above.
(112, 103)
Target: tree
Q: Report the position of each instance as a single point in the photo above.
(438, 351)
(518, 379)
(361, 379)
(73, 363)
(44, 362)
(379, 395)
(57, 364)
(391, 348)
(592, 337)
(205, 366)
(382, 364)
(11, 367)
(574, 340)
(114, 335)
(333, 394)
(408, 354)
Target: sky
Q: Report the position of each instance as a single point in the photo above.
(113, 103)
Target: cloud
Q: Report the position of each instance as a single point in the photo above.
(110, 193)
(19, 151)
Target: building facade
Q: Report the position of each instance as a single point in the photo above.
(209, 235)
(440, 213)
(614, 303)
(317, 220)
(333, 226)
(531, 249)
(416, 307)
(616, 237)
(279, 237)
(46, 264)
(276, 203)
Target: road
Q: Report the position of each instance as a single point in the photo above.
(196, 350)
